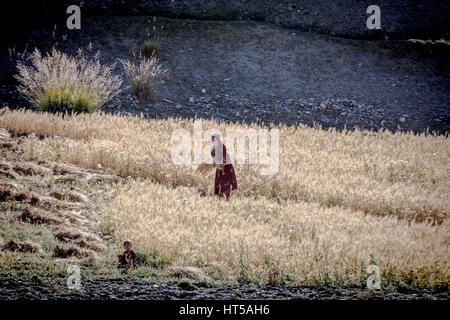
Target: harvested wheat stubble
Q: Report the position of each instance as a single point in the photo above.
(70, 250)
(37, 216)
(78, 237)
(30, 205)
(10, 191)
(65, 178)
(72, 253)
(5, 166)
(25, 246)
(69, 196)
(9, 174)
(28, 168)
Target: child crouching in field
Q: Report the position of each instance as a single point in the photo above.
(128, 257)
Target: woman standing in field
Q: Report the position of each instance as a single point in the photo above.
(225, 180)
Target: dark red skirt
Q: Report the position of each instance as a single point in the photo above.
(225, 181)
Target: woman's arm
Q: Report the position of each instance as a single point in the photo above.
(213, 156)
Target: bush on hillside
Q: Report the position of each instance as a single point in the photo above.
(57, 82)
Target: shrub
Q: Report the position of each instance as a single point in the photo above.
(132, 52)
(57, 82)
(150, 48)
(142, 77)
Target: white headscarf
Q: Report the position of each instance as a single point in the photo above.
(218, 154)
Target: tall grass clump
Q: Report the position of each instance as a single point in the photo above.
(142, 76)
(150, 48)
(57, 82)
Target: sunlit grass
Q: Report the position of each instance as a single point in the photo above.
(380, 173)
(340, 201)
(263, 241)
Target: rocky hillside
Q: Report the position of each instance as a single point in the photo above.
(247, 70)
(345, 18)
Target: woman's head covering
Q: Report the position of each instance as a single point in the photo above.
(217, 137)
(217, 149)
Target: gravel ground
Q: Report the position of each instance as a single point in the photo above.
(347, 18)
(132, 289)
(249, 71)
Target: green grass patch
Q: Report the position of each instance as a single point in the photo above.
(63, 100)
(152, 259)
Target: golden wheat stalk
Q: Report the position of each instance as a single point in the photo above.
(204, 168)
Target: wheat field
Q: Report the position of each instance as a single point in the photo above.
(340, 200)
(402, 174)
(261, 239)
